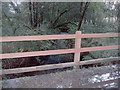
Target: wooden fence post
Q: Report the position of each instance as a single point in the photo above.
(77, 47)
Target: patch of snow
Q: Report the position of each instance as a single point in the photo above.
(95, 79)
(59, 86)
(113, 66)
(106, 85)
(70, 86)
(104, 77)
(111, 85)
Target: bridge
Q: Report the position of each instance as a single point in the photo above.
(76, 50)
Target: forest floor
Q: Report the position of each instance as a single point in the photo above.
(93, 77)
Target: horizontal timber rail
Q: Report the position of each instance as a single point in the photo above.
(35, 38)
(52, 37)
(54, 52)
(77, 50)
(54, 66)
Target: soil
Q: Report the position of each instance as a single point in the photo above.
(95, 77)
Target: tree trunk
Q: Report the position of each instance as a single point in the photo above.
(118, 16)
(35, 14)
(82, 11)
(30, 9)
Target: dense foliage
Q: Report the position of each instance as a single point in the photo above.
(43, 18)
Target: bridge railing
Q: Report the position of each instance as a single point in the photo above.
(77, 50)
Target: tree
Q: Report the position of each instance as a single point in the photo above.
(36, 16)
(118, 15)
(82, 11)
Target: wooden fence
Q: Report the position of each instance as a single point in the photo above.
(76, 51)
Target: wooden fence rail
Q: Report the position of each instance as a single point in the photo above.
(76, 50)
(51, 37)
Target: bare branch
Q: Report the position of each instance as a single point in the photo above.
(62, 13)
(82, 15)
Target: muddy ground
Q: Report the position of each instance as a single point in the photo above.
(94, 77)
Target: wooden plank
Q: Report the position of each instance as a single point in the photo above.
(36, 53)
(53, 66)
(77, 47)
(53, 52)
(100, 60)
(51, 37)
(100, 35)
(37, 68)
(37, 37)
(99, 48)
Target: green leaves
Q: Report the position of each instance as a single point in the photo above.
(87, 58)
(99, 18)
